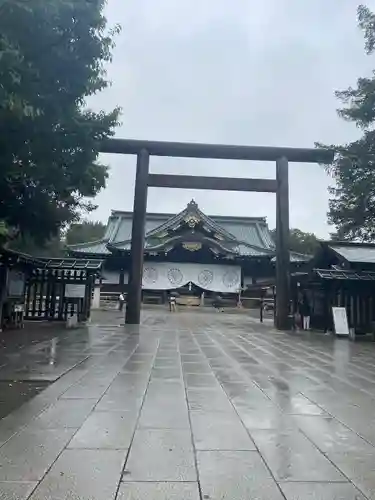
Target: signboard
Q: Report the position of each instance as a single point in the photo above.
(16, 284)
(340, 321)
(75, 291)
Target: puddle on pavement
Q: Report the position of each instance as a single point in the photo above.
(14, 394)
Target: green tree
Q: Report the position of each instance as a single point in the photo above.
(53, 247)
(52, 57)
(352, 207)
(84, 232)
(300, 242)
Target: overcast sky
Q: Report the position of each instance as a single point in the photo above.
(255, 72)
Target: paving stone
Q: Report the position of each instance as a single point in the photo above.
(172, 362)
(168, 414)
(297, 404)
(129, 382)
(331, 436)
(64, 413)
(106, 430)
(359, 469)
(142, 357)
(166, 373)
(82, 475)
(320, 491)
(23, 416)
(219, 431)
(158, 491)
(235, 475)
(291, 457)
(226, 375)
(88, 389)
(137, 367)
(16, 491)
(209, 400)
(192, 358)
(28, 454)
(247, 359)
(161, 455)
(200, 380)
(166, 391)
(120, 402)
(248, 396)
(189, 367)
(268, 418)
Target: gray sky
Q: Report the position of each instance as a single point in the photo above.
(257, 72)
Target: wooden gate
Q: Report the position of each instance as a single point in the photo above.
(61, 289)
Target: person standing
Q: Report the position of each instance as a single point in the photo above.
(218, 303)
(172, 301)
(121, 301)
(305, 312)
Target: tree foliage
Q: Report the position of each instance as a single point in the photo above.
(300, 242)
(352, 206)
(84, 232)
(53, 247)
(52, 57)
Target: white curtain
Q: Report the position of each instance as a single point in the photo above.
(113, 277)
(212, 277)
(110, 277)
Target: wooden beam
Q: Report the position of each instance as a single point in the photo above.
(218, 151)
(282, 246)
(214, 183)
(134, 295)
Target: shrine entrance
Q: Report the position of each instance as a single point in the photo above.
(192, 281)
(279, 186)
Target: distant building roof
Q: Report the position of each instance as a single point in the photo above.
(334, 274)
(297, 257)
(363, 253)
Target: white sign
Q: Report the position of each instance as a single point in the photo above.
(74, 291)
(340, 321)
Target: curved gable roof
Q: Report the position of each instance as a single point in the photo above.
(251, 234)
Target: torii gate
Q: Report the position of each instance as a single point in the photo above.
(280, 186)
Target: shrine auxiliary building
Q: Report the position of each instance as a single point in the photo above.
(190, 252)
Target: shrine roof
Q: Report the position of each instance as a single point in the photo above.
(71, 263)
(297, 257)
(91, 248)
(8, 256)
(250, 234)
(13, 257)
(335, 274)
(363, 253)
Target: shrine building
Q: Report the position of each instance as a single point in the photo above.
(191, 253)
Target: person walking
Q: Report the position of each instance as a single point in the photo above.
(121, 301)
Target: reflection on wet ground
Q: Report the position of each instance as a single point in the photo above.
(188, 406)
(14, 393)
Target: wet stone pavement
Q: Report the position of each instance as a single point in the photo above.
(190, 406)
